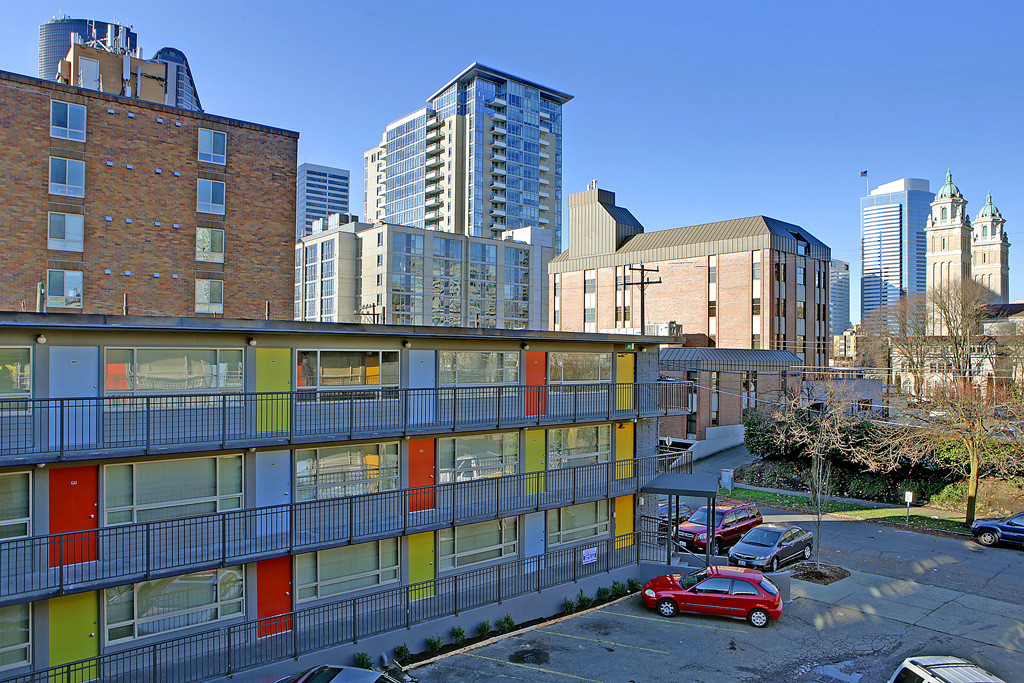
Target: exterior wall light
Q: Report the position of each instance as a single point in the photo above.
(252, 341)
(406, 343)
(525, 346)
(41, 339)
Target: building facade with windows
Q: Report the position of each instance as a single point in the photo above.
(55, 40)
(839, 297)
(321, 191)
(483, 157)
(352, 272)
(748, 283)
(219, 495)
(110, 201)
(892, 247)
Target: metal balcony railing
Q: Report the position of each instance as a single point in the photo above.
(230, 649)
(48, 430)
(41, 567)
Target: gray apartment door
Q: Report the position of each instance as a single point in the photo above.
(75, 377)
(423, 388)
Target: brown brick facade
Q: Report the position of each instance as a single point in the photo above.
(158, 188)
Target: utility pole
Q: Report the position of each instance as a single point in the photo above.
(643, 283)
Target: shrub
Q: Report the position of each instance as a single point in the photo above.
(953, 496)
(604, 593)
(402, 653)
(458, 635)
(363, 661)
(435, 644)
(569, 605)
(506, 623)
(634, 585)
(584, 600)
(619, 588)
(483, 628)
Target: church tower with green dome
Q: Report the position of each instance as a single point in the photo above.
(948, 235)
(990, 252)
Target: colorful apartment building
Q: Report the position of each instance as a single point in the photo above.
(187, 497)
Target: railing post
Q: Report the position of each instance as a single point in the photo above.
(497, 408)
(455, 407)
(149, 425)
(575, 402)
(223, 540)
(456, 595)
(292, 410)
(498, 568)
(574, 484)
(228, 662)
(404, 397)
(295, 635)
(153, 664)
(60, 564)
(223, 420)
(351, 520)
(149, 550)
(351, 414)
(576, 564)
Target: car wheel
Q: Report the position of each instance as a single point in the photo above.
(667, 608)
(988, 538)
(807, 551)
(758, 618)
(773, 566)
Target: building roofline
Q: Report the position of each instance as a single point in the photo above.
(72, 321)
(478, 68)
(155, 106)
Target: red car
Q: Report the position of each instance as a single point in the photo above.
(732, 520)
(729, 591)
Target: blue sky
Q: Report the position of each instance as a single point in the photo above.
(691, 112)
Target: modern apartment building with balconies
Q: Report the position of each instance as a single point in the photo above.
(483, 157)
(185, 497)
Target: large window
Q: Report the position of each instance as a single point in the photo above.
(328, 369)
(212, 146)
(346, 470)
(162, 605)
(64, 288)
(209, 296)
(477, 457)
(475, 543)
(350, 568)
(579, 367)
(66, 231)
(577, 522)
(170, 489)
(209, 245)
(15, 635)
(15, 372)
(478, 367)
(172, 370)
(574, 446)
(15, 508)
(210, 196)
(67, 177)
(67, 121)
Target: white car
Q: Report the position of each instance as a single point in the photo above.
(937, 669)
(338, 674)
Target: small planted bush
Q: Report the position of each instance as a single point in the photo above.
(402, 653)
(584, 600)
(506, 624)
(619, 588)
(435, 644)
(634, 585)
(362, 660)
(459, 636)
(569, 605)
(483, 628)
(603, 593)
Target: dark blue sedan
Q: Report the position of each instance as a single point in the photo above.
(992, 531)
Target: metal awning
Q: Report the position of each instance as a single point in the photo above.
(679, 484)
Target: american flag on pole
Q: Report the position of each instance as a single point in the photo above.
(863, 174)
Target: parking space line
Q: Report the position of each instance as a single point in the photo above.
(535, 668)
(604, 642)
(669, 621)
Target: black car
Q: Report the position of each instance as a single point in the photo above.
(992, 531)
(769, 546)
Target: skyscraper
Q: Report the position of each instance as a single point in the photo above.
(839, 297)
(320, 191)
(181, 89)
(484, 156)
(55, 40)
(893, 218)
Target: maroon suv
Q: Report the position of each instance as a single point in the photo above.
(732, 520)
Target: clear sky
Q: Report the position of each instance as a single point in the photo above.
(689, 111)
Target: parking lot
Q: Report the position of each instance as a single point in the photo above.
(909, 594)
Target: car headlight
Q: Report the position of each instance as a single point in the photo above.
(761, 558)
(700, 537)
(649, 593)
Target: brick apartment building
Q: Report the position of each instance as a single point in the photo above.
(748, 283)
(105, 198)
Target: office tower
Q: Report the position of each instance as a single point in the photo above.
(316, 489)
(484, 156)
(321, 191)
(55, 40)
(766, 281)
(359, 272)
(170, 211)
(839, 297)
(893, 258)
(181, 88)
(990, 264)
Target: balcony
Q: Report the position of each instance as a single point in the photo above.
(432, 216)
(544, 155)
(544, 168)
(498, 142)
(544, 194)
(498, 116)
(498, 197)
(497, 210)
(498, 184)
(434, 162)
(435, 123)
(544, 140)
(498, 170)
(434, 202)
(498, 155)
(498, 128)
(432, 190)
(435, 148)
(434, 175)
(40, 567)
(499, 101)
(544, 180)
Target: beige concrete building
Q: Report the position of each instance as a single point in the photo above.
(748, 283)
(990, 252)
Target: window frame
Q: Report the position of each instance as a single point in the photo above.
(222, 386)
(212, 157)
(557, 533)
(311, 482)
(506, 547)
(213, 255)
(448, 373)
(28, 391)
(557, 359)
(503, 463)
(65, 189)
(601, 452)
(320, 585)
(69, 132)
(64, 300)
(301, 377)
(26, 644)
(211, 206)
(211, 306)
(25, 521)
(63, 243)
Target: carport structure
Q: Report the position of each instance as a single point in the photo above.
(676, 484)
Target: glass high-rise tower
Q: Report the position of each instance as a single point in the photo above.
(892, 245)
(484, 156)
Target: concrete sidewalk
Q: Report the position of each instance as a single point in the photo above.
(864, 596)
(915, 509)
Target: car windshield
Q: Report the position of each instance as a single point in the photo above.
(701, 517)
(769, 587)
(325, 675)
(691, 580)
(764, 537)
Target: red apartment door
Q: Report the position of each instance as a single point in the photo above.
(274, 595)
(74, 511)
(536, 381)
(421, 473)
